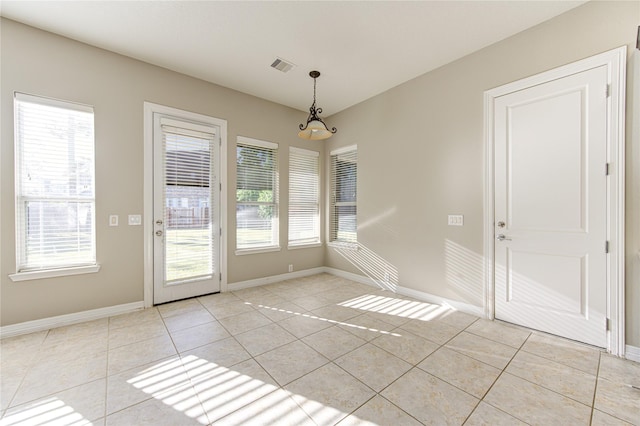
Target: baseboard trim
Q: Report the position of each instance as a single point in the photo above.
(350, 276)
(239, 285)
(437, 300)
(419, 295)
(632, 353)
(67, 319)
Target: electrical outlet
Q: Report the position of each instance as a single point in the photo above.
(135, 219)
(291, 268)
(456, 220)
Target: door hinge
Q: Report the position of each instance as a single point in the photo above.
(220, 186)
(221, 232)
(608, 90)
(607, 168)
(607, 325)
(220, 276)
(606, 246)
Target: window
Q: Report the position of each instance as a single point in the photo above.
(256, 195)
(344, 178)
(304, 196)
(55, 184)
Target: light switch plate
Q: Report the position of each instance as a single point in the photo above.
(113, 220)
(135, 219)
(456, 220)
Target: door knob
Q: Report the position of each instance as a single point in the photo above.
(159, 222)
(501, 237)
(159, 233)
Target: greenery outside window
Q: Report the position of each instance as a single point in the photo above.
(256, 195)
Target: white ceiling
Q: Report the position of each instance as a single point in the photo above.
(362, 48)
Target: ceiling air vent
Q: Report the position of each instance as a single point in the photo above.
(282, 65)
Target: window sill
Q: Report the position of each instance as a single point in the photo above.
(52, 273)
(303, 246)
(344, 246)
(242, 252)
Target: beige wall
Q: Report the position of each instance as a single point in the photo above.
(420, 148)
(40, 63)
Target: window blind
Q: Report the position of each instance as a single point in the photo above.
(343, 209)
(188, 200)
(256, 194)
(55, 184)
(304, 196)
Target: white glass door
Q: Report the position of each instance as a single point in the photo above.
(186, 209)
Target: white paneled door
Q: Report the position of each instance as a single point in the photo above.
(186, 209)
(551, 206)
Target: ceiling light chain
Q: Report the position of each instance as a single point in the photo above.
(315, 128)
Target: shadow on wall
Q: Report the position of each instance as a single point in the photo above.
(464, 270)
(374, 266)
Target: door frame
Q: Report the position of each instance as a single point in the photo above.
(615, 61)
(147, 221)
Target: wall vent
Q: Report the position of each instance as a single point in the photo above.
(282, 65)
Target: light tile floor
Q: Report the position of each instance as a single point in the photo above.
(320, 350)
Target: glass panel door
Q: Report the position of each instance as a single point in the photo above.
(186, 247)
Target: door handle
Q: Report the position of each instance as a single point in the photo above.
(159, 233)
(501, 237)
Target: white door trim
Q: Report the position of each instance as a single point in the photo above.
(615, 61)
(149, 110)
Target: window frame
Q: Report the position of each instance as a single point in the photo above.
(334, 204)
(24, 270)
(274, 204)
(316, 240)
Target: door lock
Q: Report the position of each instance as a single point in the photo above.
(159, 222)
(501, 224)
(501, 237)
(159, 233)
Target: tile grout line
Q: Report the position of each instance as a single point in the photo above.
(481, 399)
(504, 370)
(521, 349)
(330, 361)
(278, 385)
(415, 366)
(595, 389)
(24, 376)
(412, 365)
(545, 387)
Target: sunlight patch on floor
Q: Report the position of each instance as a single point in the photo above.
(346, 324)
(46, 412)
(397, 307)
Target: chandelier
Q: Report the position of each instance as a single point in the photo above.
(315, 129)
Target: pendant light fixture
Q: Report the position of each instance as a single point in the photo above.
(315, 129)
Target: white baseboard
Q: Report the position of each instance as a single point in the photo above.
(437, 300)
(350, 276)
(67, 319)
(419, 295)
(274, 279)
(632, 353)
